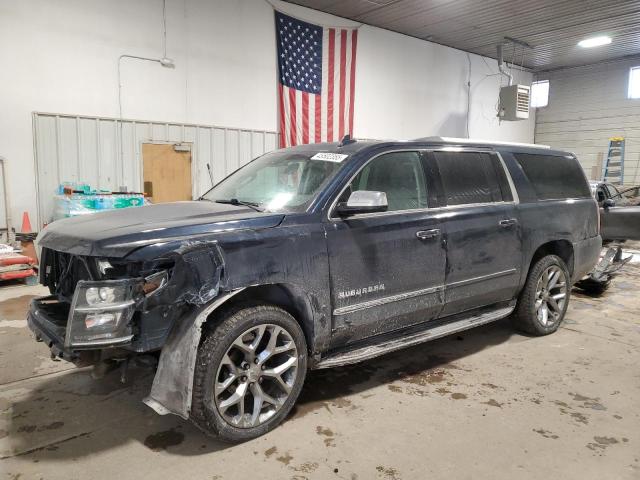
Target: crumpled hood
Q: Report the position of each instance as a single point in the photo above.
(117, 233)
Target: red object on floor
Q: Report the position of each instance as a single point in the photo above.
(16, 260)
(17, 274)
(26, 223)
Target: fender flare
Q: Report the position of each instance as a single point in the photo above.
(172, 387)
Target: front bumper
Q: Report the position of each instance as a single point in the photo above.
(47, 319)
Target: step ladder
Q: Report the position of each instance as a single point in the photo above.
(613, 171)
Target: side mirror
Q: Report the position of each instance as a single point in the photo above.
(608, 203)
(363, 201)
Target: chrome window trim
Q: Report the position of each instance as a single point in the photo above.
(489, 276)
(514, 192)
(417, 293)
(564, 199)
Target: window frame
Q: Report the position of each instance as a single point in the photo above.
(634, 73)
(538, 82)
(433, 176)
(613, 190)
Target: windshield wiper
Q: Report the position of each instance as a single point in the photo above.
(235, 201)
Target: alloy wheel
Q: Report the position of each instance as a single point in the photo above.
(256, 376)
(551, 295)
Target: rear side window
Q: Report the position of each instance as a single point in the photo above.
(472, 177)
(554, 177)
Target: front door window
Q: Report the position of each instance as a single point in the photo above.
(400, 175)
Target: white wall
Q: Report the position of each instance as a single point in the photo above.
(61, 56)
(587, 106)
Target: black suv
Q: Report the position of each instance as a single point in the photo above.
(313, 257)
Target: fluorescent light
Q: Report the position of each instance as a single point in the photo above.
(594, 42)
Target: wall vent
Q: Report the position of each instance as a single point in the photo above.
(514, 102)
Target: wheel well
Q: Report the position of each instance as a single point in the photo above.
(561, 248)
(289, 298)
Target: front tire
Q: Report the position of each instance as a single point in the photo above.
(249, 372)
(545, 297)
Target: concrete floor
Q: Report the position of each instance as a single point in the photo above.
(486, 404)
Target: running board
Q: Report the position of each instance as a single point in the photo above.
(398, 343)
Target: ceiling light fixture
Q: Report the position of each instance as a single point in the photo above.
(594, 42)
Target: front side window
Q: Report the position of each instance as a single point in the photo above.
(471, 177)
(279, 181)
(398, 174)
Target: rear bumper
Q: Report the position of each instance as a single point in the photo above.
(586, 254)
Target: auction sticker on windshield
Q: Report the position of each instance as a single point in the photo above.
(329, 157)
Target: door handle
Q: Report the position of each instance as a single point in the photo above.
(426, 234)
(507, 223)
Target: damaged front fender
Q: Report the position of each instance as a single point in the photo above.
(197, 273)
(197, 279)
(173, 384)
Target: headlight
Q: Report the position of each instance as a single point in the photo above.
(96, 296)
(96, 320)
(101, 312)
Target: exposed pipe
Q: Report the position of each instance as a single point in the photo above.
(164, 61)
(7, 210)
(164, 29)
(501, 67)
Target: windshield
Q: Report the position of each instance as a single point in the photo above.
(278, 181)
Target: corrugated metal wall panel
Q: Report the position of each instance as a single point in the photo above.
(587, 106)
(74, 148)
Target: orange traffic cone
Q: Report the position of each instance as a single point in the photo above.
(26, 223)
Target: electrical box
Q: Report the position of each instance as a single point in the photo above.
(514, 102)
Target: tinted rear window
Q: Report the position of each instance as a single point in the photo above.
(554, 177)
(471, 177)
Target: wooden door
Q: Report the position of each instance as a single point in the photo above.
(166, 173)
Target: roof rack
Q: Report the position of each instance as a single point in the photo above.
(471, 141)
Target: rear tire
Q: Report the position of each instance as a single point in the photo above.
(543, 301)
(249, 372)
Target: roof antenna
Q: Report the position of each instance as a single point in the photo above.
(213, 184)
(346, 140)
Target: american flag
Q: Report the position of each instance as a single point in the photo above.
(317, 72)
